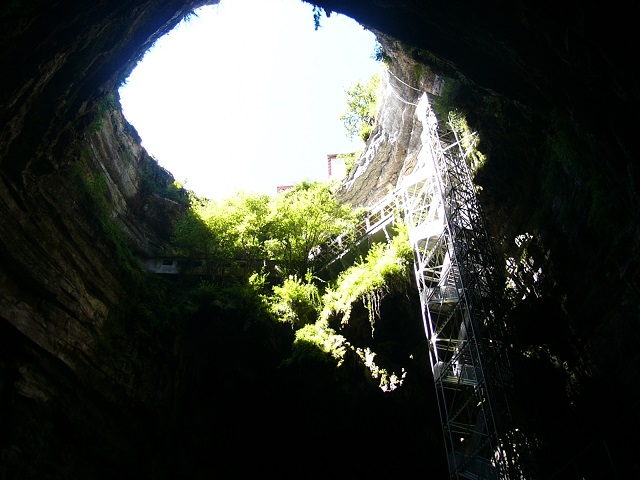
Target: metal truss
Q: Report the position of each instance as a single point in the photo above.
(454, 271)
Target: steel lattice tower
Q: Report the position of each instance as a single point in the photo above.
(455, 273)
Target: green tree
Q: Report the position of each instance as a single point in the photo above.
(304, 218)
(295, 301)
(204, 232)
(192, 235)
(224, 231)
(253, 227)
(362, 105)
(247, 219)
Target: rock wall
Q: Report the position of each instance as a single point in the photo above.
(59, 279)
(143, 196)
(395, 137)
(553, 141)
(66, 240)
(55, 247)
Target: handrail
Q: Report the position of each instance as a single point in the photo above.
(378, 216)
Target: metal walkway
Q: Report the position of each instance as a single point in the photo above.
(374, 227)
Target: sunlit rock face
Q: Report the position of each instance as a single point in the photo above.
(395, 137)
(62, 60)
(553, 98)
(143, 195)
(53, 246)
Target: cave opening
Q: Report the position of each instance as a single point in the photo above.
(58, 281)
(247, 95)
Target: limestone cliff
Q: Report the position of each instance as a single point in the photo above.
(60, 282)
(142, 195)
(395, 137)
(64, 285)
(60, 250)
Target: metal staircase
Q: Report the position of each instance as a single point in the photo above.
(455, 274)
(376, 226)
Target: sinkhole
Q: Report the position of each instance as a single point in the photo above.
(247, 95)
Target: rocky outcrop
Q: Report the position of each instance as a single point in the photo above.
(69, 241)
(143, 196)
(395, 137)
(60, 282)
(55, 244)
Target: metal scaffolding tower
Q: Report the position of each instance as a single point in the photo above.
(454, 271)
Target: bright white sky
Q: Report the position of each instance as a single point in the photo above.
(247, 95)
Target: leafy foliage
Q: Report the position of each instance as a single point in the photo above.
(246, 218)
(349, 160)
(362, 107)
(384, 268)
(175, 191)
(389, 381)
(253, 227)
(317, 16)
(192, 235)
(232, 229)
(287, 229)
(469, 142)
(449, 97)
(379, 55)
(304, 218)
(319, 343)
(109, 103)
(296, 302)
(244, 299)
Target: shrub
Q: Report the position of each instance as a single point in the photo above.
(384, 269)
(362, 106)
(320, 344)
(295, 302)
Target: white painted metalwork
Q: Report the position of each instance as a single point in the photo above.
(455, 271)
